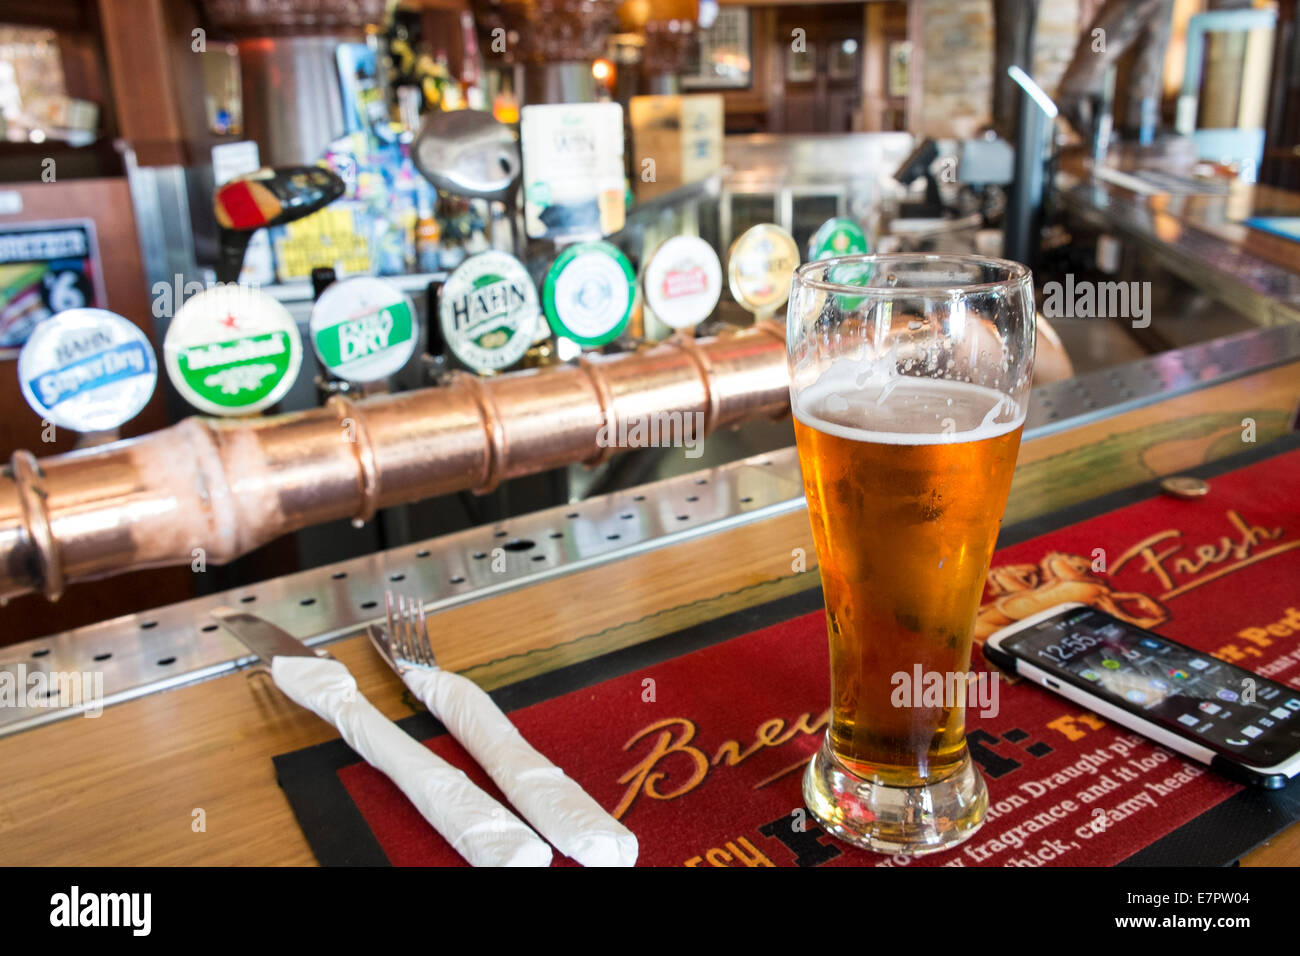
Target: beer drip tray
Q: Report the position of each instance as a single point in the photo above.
(1110, 391)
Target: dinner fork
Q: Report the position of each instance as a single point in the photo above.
(554, 804)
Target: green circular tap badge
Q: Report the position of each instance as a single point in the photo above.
(589, 293)
(760, 267)
(837, 237)
(232, 350)
(363, 329)
(488, 311)
(87, 370)
(683, 281)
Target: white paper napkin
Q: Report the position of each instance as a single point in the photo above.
(480, 829)
(561, 810)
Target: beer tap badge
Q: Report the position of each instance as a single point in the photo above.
(837, 237)
(363, 329)
(232, 350)
(87, 370)
(488, 311)
(683, 281)
(760, 267)
(589, 293)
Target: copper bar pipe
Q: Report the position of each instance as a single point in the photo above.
(215, 489)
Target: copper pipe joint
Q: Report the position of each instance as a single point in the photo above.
(212, 490)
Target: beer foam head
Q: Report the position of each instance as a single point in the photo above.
(903, 410)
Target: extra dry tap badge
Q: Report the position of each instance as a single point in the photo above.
(837, 237)
(363, 329)
(760, 267)
(232, 350)
(87, 370)
(589, 293)
(488, 311)
(683, 281)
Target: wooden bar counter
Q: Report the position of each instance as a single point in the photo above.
(128, 787)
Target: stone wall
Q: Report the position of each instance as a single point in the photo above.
(957, 75)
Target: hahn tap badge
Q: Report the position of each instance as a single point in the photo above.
(232, 350)
(87, 370)
(760, 268)
(683, 281)
(488, 311)
(589, 293)
(363, 329)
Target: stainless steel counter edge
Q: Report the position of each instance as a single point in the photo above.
(1245, 282)
(180, 644)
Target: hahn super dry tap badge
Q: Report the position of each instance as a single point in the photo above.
(87, 369)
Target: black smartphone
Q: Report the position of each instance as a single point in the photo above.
(1243, 725)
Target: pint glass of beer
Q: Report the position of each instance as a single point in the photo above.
(909, 379)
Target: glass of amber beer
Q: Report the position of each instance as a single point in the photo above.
(909, 379)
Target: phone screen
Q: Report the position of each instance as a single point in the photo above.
(1233, 712)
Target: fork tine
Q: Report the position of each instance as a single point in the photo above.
(422, 635)
(408, 629)
(388, 615)
(404, 607)
(399, 628)
(414, 631)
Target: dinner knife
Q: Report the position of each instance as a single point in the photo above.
(478, 827)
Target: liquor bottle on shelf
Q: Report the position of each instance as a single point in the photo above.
(435, 360)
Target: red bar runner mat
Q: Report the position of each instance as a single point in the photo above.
(702, 754)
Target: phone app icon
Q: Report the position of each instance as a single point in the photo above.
(1236, 743)
(1188, 719)
(1281, 713)
(1136, 696)
(1207, 726)
(1225, 694)
(1197, 664)
(1264, 722)
(1090, 675)
(1210, 707)
(1149, 644)
(1268, 693)
(1159, 683)
(1293, 704)
(1110, 664)
(1132, 655)
(1252, 731)
(1177, 673)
